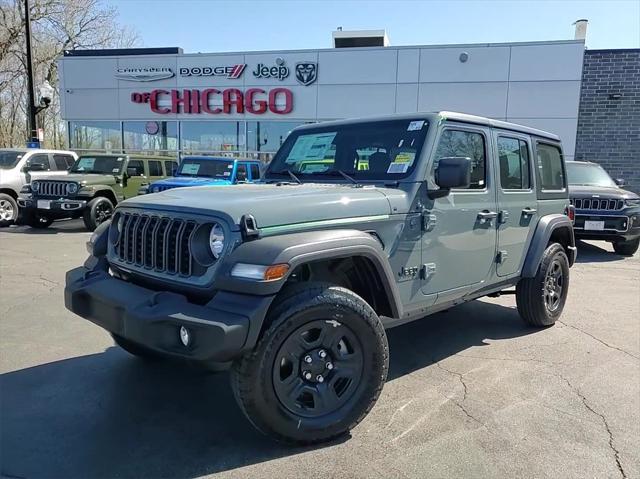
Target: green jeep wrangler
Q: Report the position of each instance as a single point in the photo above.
(293, 281)
(94, 186)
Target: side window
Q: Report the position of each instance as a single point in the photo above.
(63, 162)
(155, 168)
(138, 165)
(255, 172)
(465, 144)
(42, 160)
(513, 154)
(550, 169)
(170, 167)
(241, 172)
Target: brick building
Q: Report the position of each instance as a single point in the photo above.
(609, 114)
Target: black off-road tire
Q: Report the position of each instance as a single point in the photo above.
(532, 294)
(626, 248)
(136, 349)
(9, 210)
(343, 320)
(94, 214)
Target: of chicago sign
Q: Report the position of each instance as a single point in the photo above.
(212, 101)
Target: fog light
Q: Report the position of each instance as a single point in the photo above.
(185, 337)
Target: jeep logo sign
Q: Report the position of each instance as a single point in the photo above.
(279, 72)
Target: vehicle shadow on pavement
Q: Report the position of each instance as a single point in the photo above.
(112, 415)
(65, 226)
(591, 253)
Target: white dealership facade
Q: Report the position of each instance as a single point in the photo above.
(167, 102)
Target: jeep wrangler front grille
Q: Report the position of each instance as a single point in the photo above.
(52, 188)
(156, 243)
(597, 204)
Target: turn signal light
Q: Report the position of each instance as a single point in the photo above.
(275, 271)
(570, 211)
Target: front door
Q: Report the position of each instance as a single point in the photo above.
(516, 200)
(136, 177)
(459, 244)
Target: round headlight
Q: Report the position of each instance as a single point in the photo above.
(35, 186)
(216, 240)
(72, 188)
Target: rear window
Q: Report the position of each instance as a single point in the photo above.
(550, 169)
(385, 150)
(206, 168)
(155, 168)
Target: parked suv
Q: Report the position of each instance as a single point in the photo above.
(295, 279)
(94, 185)
(19, 166)
(604, 211)
(208, 171)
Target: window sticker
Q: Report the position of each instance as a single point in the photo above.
(311, 147)
(415, 125)
(191, 168)
(226, 173)
(230, 166)
(86, 163)
(405, 157)
(115, 170)
(398, 167)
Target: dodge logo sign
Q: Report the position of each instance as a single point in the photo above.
(233, 72)
(306, 72)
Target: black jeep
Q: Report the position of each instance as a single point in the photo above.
(604, 211)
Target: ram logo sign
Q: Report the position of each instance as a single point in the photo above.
(306, 72)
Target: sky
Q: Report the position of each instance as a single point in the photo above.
(254, 25)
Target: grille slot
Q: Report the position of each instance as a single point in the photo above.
(52, 188)
(602, 204)
(156, 243)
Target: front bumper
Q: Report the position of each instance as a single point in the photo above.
(618, 226)
(220, 330)
(57, 207)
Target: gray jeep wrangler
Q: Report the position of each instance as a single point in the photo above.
(294, 280)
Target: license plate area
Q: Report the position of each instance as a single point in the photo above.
(44, 204)
(594, 225)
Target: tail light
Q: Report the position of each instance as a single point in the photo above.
(570, 211)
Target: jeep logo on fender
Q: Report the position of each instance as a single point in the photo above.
(232, 72)
(280, 71)
(254, 100)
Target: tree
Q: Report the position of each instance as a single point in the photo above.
(57, 25)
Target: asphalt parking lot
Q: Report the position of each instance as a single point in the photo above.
(472, 392)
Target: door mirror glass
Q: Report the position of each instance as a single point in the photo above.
(453, 172)
(620, 182)
(34, 167)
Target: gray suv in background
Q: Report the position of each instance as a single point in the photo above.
(19, 166)
(356, 227)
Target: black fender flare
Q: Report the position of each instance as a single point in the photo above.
(544, 229)
(299, 248)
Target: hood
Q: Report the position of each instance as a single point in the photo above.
(582, 191)
(178, 181)
(90, 179)
(272, 204)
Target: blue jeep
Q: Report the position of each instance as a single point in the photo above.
(207, 171)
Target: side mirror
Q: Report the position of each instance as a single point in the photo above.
(453, 172)
(620, 182)
(34, 167)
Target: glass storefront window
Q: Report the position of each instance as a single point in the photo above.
(212, 136)
(152, 137)
(267, 136)
(102, 136)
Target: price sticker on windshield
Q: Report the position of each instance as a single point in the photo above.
(415, 125)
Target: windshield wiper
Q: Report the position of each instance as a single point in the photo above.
(347, 177)
(287, 172)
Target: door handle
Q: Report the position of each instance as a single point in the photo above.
(486, 216)
(529, 211)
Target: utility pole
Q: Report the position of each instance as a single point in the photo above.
(31, 107)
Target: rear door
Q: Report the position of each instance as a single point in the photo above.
(138, 177)
(517, 199)
(241, 172)
(460, 242)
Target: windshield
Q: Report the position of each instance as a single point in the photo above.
(9, 159)
(111, 165)
(380, 150)
(588, 175)
(204, 167)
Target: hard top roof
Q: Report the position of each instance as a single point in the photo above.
(218, 158)
(436, 116)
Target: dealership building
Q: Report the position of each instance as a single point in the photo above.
(163, 101)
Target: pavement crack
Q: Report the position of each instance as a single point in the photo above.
(459, 376)
(616, 453)
(599, 340)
